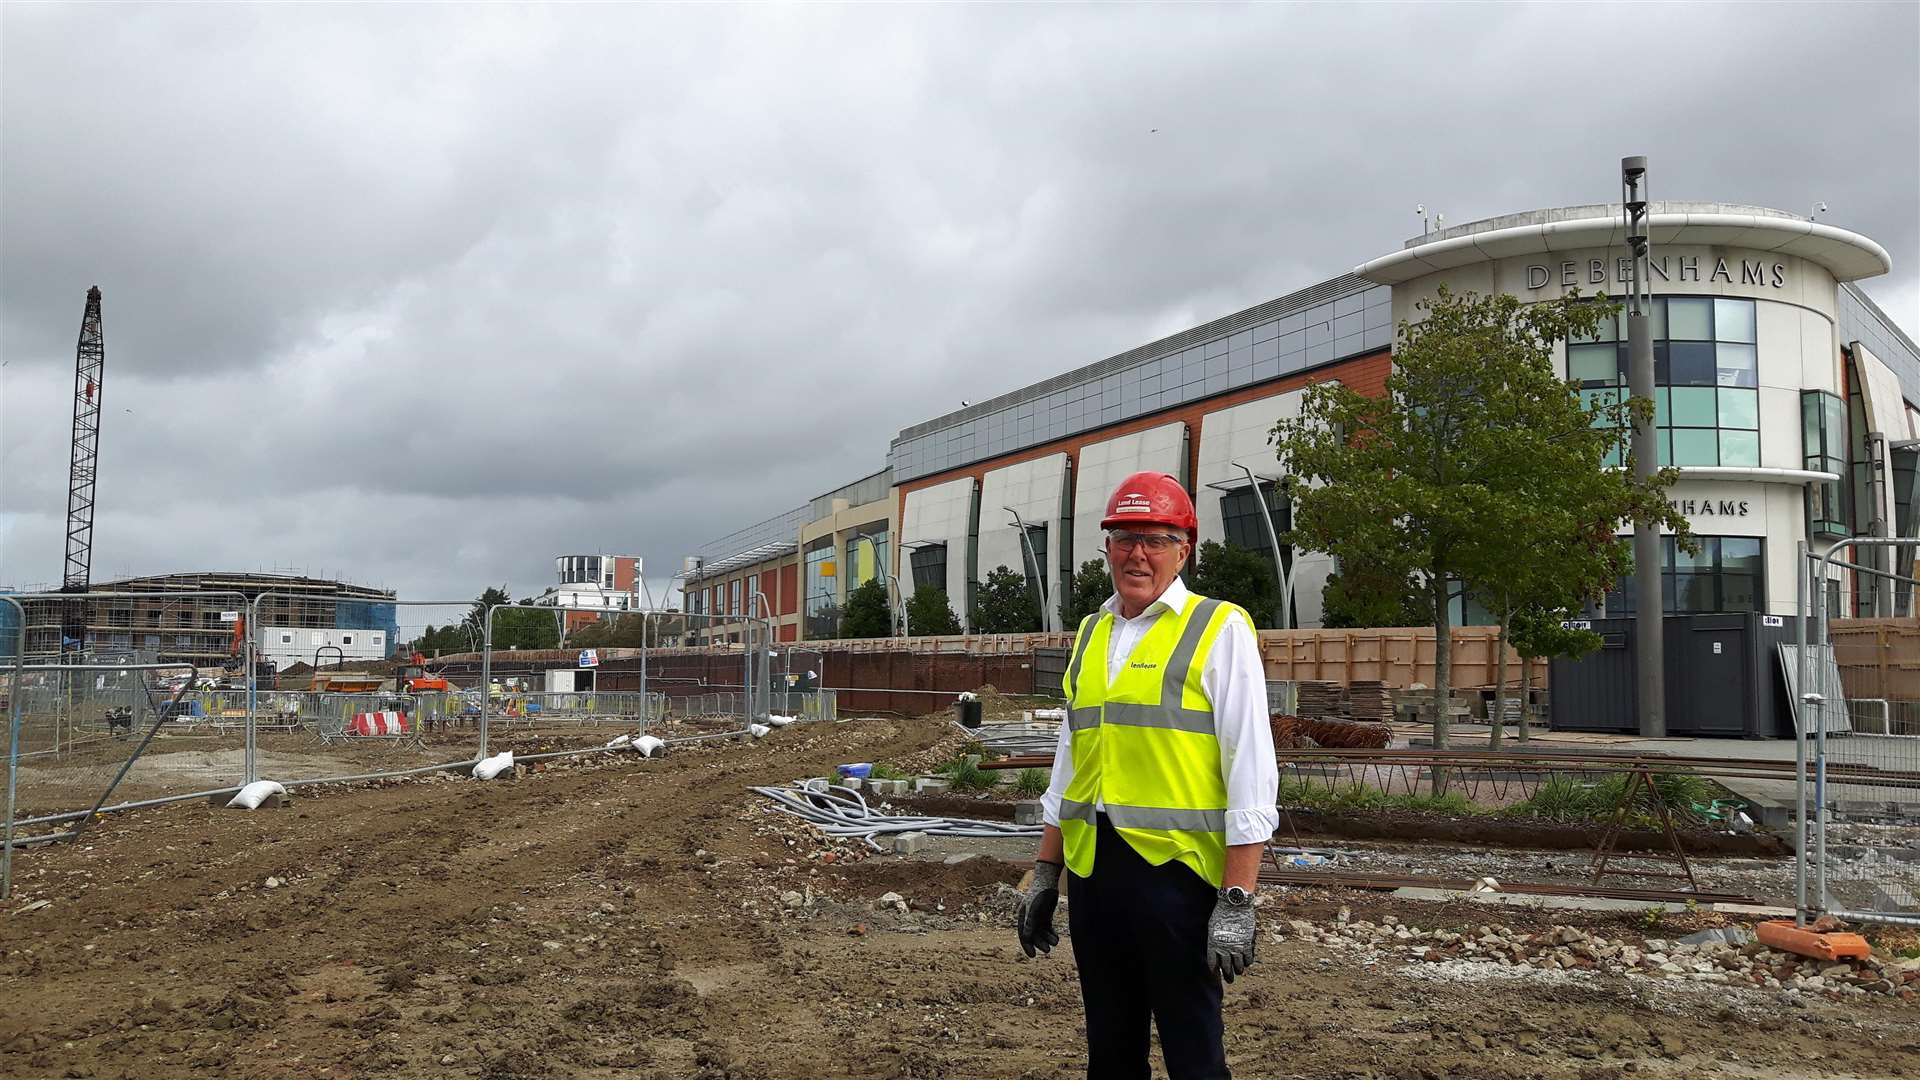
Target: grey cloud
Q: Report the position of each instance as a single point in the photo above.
(428, 295)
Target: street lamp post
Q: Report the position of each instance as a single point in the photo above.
(1047, 618)
(1649, 652)
(896, 604)
(1280, 571)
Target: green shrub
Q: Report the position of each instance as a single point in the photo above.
(1561, 798)
(968, 776)
(1030, 783)
(889, 772)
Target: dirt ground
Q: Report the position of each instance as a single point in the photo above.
(637, 918)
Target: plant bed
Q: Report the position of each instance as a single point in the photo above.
(1517, 833)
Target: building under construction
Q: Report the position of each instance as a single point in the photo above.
(196, 618)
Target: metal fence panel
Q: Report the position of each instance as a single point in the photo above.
(343, 716)
(1864, 847)
(76, 729)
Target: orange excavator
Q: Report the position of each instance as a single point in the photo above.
(412, 678)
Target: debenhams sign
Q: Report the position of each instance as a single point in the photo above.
(1663, 268)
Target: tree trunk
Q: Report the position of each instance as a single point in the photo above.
(1496, 733)
(1442, 674)
(1526, 698)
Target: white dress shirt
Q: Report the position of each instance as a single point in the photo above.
(1235, 682)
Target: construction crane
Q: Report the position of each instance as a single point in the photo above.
(90, 362)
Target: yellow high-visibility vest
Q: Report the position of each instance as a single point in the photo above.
(1145, 745)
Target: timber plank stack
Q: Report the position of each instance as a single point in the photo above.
(1317, 699)
(1370, 700)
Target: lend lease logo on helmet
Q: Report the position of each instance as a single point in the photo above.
(1133, 503)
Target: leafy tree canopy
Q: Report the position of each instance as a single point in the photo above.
(1238, 576)
(1092, 585)
(929, 614)
(867, 615)
(1006, 604)
(1480, 461)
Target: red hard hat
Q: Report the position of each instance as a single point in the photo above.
(1151, 498)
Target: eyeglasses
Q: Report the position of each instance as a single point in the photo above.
(1156, 543)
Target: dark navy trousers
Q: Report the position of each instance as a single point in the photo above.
(1139, 937)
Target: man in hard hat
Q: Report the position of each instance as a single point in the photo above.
(1162, 799)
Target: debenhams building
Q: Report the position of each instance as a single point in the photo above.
(1774, 371)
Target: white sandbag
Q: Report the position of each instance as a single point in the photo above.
(501, 762)
(620, 742)
(251, 796)
(649, 746)
(781, 721)
(758, 731)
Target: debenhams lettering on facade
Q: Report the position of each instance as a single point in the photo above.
(1664, 268)
(1709, 507)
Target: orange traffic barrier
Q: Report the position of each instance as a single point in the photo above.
(1821, 945)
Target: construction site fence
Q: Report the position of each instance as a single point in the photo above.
(1859, 722)
(1019, 663)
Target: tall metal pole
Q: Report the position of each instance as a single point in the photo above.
(1273, 545)
(1048, 618)
(1803, 709)
(1649, 654)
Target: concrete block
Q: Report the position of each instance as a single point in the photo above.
(886, 787)
(1027, 812)
(932, 783)
(908, 843)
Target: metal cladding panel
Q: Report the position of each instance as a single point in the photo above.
(1860, 319)
(1308, 328)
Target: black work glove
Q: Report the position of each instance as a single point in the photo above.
(1035, 916)
(1230, 937)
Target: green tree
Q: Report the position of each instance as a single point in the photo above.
(929, 614)
(1005, 604)
(1359, 597)
(867, 615)
(525, 628)
(1477, 447)
(1238, 576)
(1092, 586)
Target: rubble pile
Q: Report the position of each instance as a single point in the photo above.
(1713, 956)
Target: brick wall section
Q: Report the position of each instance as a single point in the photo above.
(789, 590)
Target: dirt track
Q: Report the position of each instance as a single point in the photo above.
(626, 919)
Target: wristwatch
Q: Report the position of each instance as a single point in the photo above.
(1237, 896)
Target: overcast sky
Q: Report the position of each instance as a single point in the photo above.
(423, 296)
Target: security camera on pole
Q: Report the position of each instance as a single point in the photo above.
(1649, 653)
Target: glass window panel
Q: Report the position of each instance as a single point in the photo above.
(1740, 448)
(1736, 365)
(1692, 592)
(1738, 592)
(1692, 406)
(1680, 560)
(1696, 446)
(1663, 440)
(1614, 459)
(1593, 364)
(1661, 376)
(1691, 363)
(1659, 318)
(1739, 408)
(1733, 320)
(1689, 318)
(1662, 407)
(1740, 553)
